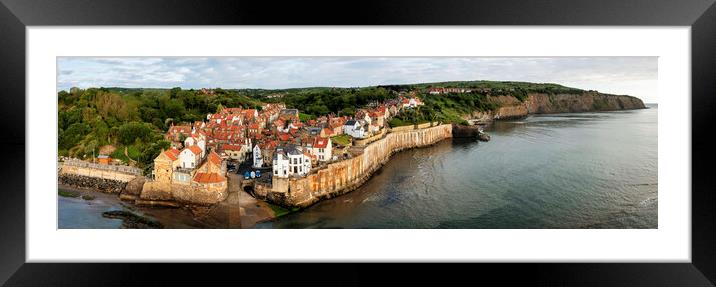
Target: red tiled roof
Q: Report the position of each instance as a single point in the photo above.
(231, 147)
(195, 149)
(249, 114)
(320, 142)
(203, 177)
(179, 129)
(173, 153)
(214, 158)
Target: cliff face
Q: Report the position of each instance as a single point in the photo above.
(586, 102)
(511, 107)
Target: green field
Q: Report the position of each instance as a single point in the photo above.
(343, 140)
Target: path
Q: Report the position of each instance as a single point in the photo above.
(239, 210)
(127, 155)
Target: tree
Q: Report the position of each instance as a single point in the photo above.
(73, 135)
(174, 108)
(91, 147)
(109, 104)
(150, 152)
(173, 92)
(130, 132)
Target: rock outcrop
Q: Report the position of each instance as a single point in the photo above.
(134, 187)
(459, 131)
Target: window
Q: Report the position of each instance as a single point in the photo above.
(275, 172)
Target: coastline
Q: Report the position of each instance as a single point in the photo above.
(242, 210)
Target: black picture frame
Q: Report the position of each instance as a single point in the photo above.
(15, 15)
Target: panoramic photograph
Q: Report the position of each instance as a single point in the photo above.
(357, 142)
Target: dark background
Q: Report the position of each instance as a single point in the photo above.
(16, 14)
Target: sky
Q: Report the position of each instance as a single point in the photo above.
(635, 76)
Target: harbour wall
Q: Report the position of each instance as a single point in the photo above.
(347, 175)
(104, 178)
(155, 191)
(110, 172)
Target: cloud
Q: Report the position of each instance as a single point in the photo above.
(620, 75)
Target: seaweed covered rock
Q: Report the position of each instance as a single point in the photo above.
(134, 187)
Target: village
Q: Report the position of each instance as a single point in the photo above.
(266, 143)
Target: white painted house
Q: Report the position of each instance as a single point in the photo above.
(322, 148)
(354, 128)
(198, 141)
(367, 118)
(280, 164)
(291, 160)
(258, 160)
(190, 157)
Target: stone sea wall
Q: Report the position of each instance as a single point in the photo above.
(344, 176)
(96, 171)
(161, 191)
(95, 183)
(104, 178)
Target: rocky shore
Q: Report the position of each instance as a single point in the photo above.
(94, 183)
(473, 131)
(131, 220)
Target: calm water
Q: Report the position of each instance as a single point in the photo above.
(586, 170)
(80, 213)
(77, 213)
